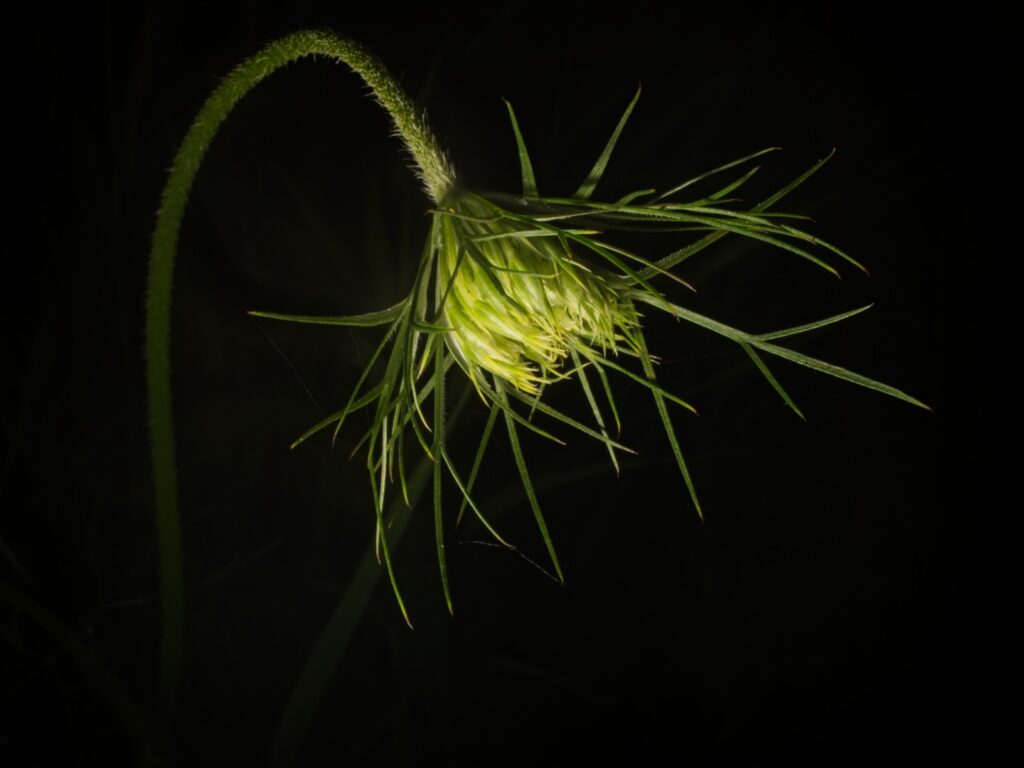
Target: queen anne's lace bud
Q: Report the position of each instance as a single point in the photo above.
(516, 299)
(519, 293)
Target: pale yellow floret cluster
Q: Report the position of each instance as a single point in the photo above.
(517, 301)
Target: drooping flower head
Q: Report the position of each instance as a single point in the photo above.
(522, 292)
(517, 300)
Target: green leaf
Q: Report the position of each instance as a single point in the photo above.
(651, 385)
(403, 481)
(524, 475)
(806, 237)
(418, 311)
(590, 183)
(493, 395)
(627, 199)
(442, 561)
(659, 402)
(608, 395)
(713, 171)
(736, 224)
(753, 340)
(734, 185)
(768, 202)
(381, 533)
(492, 417)
(365, 320)
(682, 254)
(529, 183)
(546, 409)
(338, 416)
(467, 499)
(353, 404)
(771, 378)
(528, 233)
(599, 247)
(593, 245)
(593, 404)
(811, 326)
(838, 372)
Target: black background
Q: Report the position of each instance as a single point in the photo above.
(843, 601)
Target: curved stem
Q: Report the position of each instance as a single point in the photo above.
(437, 176)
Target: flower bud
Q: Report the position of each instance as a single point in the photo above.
(516, 299)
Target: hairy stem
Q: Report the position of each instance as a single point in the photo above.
(437, 176)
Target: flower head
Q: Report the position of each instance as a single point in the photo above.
(522, 292)
(517, 300)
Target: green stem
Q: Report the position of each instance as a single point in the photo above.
(437, 176)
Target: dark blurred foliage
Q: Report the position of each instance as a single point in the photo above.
(842, 603)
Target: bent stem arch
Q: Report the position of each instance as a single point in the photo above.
(437, 176)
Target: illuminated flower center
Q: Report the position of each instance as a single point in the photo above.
(517, 300)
